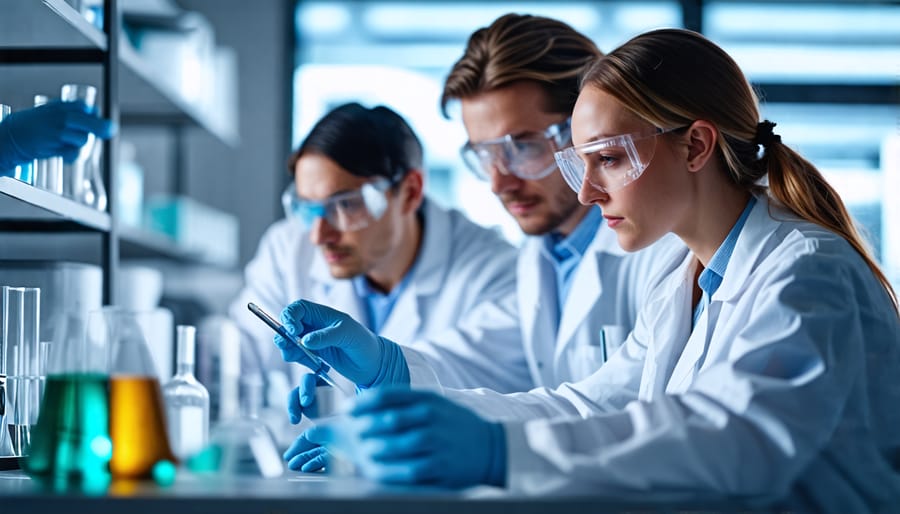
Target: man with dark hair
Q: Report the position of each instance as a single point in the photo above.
(361, 237)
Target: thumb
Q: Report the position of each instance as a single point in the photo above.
(324, 338)
(312, 315)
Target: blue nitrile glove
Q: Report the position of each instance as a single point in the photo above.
(353, 350)
(49, 130)
(302, 399)
(417, 437)
(305, 455)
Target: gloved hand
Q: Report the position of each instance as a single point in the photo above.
(350, 348)
(305, 455)
(415, 437)
(49, 130)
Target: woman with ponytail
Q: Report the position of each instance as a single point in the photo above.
(766, 365)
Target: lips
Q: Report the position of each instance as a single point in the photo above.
(612, 221)
(519, 206)
(332, 256)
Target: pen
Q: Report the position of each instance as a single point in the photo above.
(322, 367)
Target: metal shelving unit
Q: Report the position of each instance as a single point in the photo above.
(51, 32)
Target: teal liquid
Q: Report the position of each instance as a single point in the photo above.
(70, 444)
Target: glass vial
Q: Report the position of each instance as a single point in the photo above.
(187, 401)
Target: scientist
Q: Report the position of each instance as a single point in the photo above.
(49, 130)
(766, 365)
(360, 236)
(578, 292)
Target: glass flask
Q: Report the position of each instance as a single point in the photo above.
(137, 424)
(70, 444)
(48, 173)
(79, 174)
(187, 401)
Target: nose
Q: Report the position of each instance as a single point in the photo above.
(591, 195)
(321, 232)
(502, 181)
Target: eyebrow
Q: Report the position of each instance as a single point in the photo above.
(329, 197)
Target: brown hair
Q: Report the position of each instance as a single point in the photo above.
(523, 47)
(671, 77)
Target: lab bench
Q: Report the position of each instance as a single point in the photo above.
(315, 493)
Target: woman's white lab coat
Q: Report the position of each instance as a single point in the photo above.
(788, 385)
(463, 287)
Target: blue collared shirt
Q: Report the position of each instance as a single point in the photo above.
(564, 253)
(379, 305)
(711, 278)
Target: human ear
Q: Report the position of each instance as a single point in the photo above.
(412, 190)
(701, 138)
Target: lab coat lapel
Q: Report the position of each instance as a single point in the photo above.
(428, 273)
(744, 259)
(587, 286)
(670, 327)
(536, 317)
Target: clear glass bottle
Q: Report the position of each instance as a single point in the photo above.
(187, 401)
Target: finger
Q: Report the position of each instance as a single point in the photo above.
(412, 471)
(307, 395)
(313, 315)
(323, 338)
(73, 137)
(300, 445)
(102, 128)
(295, 406)
(323, 435)
(395, 420)
(292, 353)
(317, 462)
(391, 396)
(403, 446)
(298, 462)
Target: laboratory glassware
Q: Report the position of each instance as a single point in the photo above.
(70, 444)
(47, 173)
(187, 401)
(137, 424)
(21, 329)
(79, 174)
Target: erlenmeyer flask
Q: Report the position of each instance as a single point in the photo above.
(70, 444)
(137, 423)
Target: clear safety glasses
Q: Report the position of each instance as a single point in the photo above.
(349, 211)
(610, 163)
(529, 157)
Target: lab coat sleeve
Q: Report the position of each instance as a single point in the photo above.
(484, 348)
(746, 425)
(610, 388)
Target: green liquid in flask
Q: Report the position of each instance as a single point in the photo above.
(71, 444)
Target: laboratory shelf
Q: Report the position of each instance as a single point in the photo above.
(47, 24)
(23, 204)
(39, 30)
(138, 243)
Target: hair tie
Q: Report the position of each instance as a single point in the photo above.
(764, 134)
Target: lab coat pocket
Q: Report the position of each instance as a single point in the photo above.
(612, 337)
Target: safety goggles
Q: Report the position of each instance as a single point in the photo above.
(611, 163)
(529, 157)
(348, 211)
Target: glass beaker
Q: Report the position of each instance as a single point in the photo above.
(78, 174)
(21, 329)
(48, 173)
(137, 424)
(70, 444)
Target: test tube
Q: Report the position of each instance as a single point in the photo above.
(21, 334)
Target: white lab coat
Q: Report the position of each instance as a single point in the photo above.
(462, 294)
(788, 385)
(608, 289)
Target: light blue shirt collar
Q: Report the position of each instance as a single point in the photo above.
(565, 253)
(711, 277)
